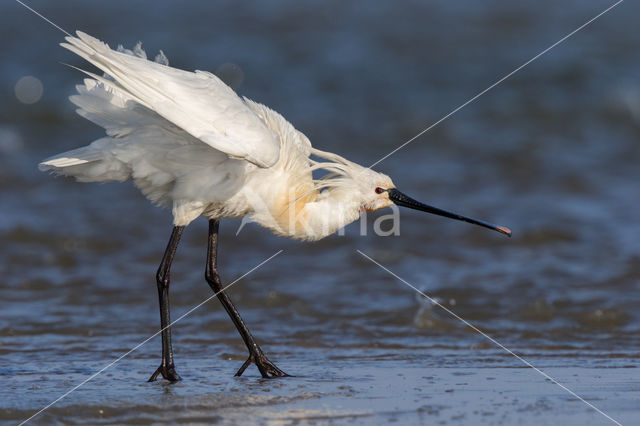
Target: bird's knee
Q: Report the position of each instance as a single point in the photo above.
(212, 278)
(162, 280)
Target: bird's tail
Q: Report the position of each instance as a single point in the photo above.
(91, 163)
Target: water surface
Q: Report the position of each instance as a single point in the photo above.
(552, 153)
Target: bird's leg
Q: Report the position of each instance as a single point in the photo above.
(166, 368)
(266, 367)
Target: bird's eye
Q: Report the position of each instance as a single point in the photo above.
(379, 190)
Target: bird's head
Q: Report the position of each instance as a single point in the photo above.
(373, 188)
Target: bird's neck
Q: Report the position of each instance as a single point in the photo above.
(317, 216)
(328, 214)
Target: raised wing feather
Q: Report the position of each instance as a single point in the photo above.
(168, 164)
(197, 102)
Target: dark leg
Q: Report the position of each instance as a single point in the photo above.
(167, 368)
(266, 367)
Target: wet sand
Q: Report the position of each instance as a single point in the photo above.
(382, 387)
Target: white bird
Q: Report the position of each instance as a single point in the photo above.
(189, 143)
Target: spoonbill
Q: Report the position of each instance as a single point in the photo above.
(189, 143)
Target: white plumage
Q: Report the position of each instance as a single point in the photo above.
(191, 144)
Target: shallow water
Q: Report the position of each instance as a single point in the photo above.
(552, 153)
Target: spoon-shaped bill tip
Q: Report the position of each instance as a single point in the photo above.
(506, 231)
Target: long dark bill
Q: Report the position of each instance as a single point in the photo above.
(402, 200)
